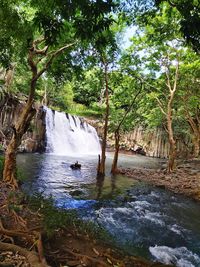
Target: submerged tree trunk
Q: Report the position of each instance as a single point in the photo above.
(116, 154)
(34, 58)
(101, 165)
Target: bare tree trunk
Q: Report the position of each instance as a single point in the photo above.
(172, 156)
(172, 141)
(101, 167)
(116, 154)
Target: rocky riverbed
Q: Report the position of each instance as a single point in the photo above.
(185, 180)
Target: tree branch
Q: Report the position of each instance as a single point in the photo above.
(168, 78)
(176, 76)
(160, 106)
(53, 55)
(129, 109)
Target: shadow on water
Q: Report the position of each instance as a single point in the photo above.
(144, 220)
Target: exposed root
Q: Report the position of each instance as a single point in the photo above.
(12, 183)
(31, 257)
(14, 233)
(18, 219)
(5, 237)
(85, 260)
(40, 250)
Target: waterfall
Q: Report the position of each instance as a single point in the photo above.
(68, 135)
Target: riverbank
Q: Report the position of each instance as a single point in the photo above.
(185, 180)
(36, 234)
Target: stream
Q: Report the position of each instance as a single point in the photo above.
(143, 220)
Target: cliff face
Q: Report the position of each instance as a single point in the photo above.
(34, 139)
(153, 143)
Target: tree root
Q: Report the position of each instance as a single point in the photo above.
(31, 257)
(29, 237)
(86, 260)
(41, 250)
(14, 233)
(18, 219)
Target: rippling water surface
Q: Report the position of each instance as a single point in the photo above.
(143, 220)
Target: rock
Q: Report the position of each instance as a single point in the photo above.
(76, 193)
(34, 139)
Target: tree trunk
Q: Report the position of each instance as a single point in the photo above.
(195, 129)
(10, 168)
(172, 156)
(196, 144)
(115, 159)
(35, 56)
(172, 142)
(101, 167)
(117, 132)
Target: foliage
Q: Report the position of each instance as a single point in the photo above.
(88, 87)
(125, 89)
(189, 11)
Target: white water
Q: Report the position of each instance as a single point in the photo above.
(180, 256)
(68, 135)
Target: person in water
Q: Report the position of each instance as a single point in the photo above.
(75, 165)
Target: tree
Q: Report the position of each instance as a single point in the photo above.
(102, 158)
(190, 19)
(124, 104)
(87, 89)
(49, 23)
(190, 96)
(106, 48)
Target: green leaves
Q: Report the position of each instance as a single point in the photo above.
(189, 11)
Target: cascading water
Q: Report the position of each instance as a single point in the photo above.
(68, 135)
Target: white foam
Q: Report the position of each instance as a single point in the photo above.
(176, 229)
(181, 256)
(154, 217)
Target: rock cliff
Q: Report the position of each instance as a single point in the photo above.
(152, 143)
(34, 139)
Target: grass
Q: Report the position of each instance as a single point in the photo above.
(55, 218)
(77, 109)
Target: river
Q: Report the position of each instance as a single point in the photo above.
(143, 220)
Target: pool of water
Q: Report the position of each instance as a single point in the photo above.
(142, 219)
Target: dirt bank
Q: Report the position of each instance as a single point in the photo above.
(185, 180)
